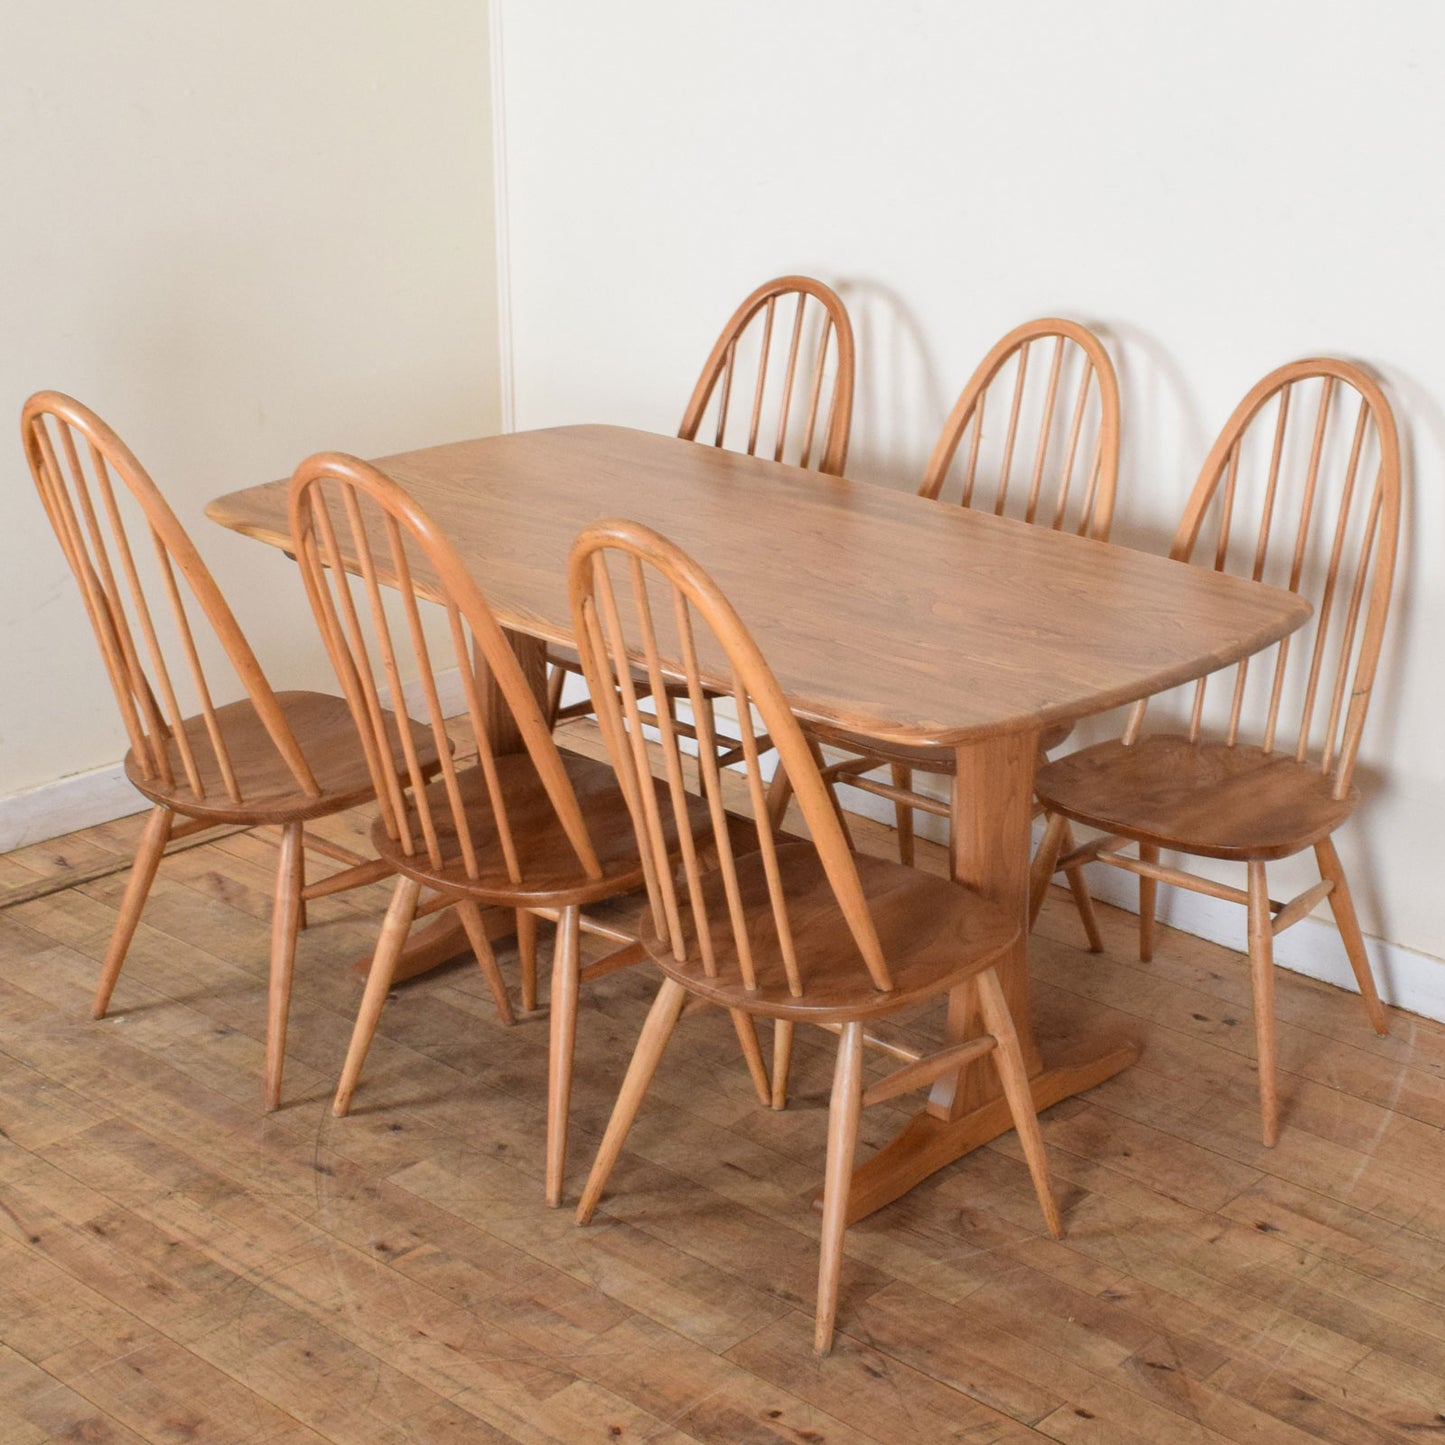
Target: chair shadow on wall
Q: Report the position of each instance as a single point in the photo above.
(899, 399)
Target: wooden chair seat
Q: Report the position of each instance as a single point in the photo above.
(1208, 799)
(550, 876)
(934, 935)
(327, 735)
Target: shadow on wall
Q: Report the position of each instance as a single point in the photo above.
(899, 403)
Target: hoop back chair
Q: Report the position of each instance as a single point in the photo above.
(267, 758)
(1302, 490)
(788, 353)
(1034, 435)
(533, 830)
(799, 930)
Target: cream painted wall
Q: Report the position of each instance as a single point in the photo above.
(241, 233)
(1221, 188)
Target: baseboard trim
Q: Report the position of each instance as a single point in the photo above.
(66, 805)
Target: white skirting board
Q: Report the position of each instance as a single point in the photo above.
(1406, 978)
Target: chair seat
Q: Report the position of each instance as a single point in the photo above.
(326, 734)
(550, 874)
(934, 934)
(1203, 798)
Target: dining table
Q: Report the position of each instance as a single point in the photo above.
(884, 615)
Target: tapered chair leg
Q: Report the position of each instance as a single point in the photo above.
(1014, 1076)
(843, 1110)
(555, 680)
(148, 853)
(285, 923)
(566, 966)
(782, 1061)
(471, 916)
(1342, 905)
(527, 957)
(1148, 893)
(752, 1055)
(780, 792)
(661, 1020)
(1042, 870)
(394, 929)
(902, 776)
(1083, 901)
(815, 748)
(1261, 976)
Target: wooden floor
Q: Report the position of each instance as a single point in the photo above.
(175, 1266)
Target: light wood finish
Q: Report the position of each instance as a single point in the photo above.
(1047, 397)
(1039, 627)
(279, 758)
(171, 1269)
(534, 829)
(794, 382)
(1302, 488)
(789, 548)
(796, 334)
(803, 931)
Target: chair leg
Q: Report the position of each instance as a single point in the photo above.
(780, 792)
(843, 1110)
(527, 957)
(555, 680)
(471, 916)
(1148, 892)
(1083, 902)
(661, 1020)
(1041, 871)
(301, 918)
(1014, 1077)
(285, 921)
(753, 1054)
(394, 929)
(1342, 905)
(832, 787)
(566, 967)
(903, 815)
(1261, 977)
(148, 853)
(782, 1061)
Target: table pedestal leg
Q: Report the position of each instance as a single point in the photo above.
(990, 817)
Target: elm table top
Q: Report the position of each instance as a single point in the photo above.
(881, 613)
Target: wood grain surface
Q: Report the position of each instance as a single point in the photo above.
(884, 614)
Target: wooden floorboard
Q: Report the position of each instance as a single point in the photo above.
(174, 1265)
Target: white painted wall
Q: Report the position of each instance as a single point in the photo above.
(241, 233)
(1219, 187)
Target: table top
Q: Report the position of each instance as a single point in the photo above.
(881, 613)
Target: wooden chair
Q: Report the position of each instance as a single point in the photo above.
(1286, 496)
(799, 931)
(789, 349)
(266, 758)
(533, 829)
(1033, 435)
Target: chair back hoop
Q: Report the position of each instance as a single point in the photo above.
(639, 602)
(365, 548)
(806, 400)
(137, 605)
(1286, 496)
(1040, 417)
